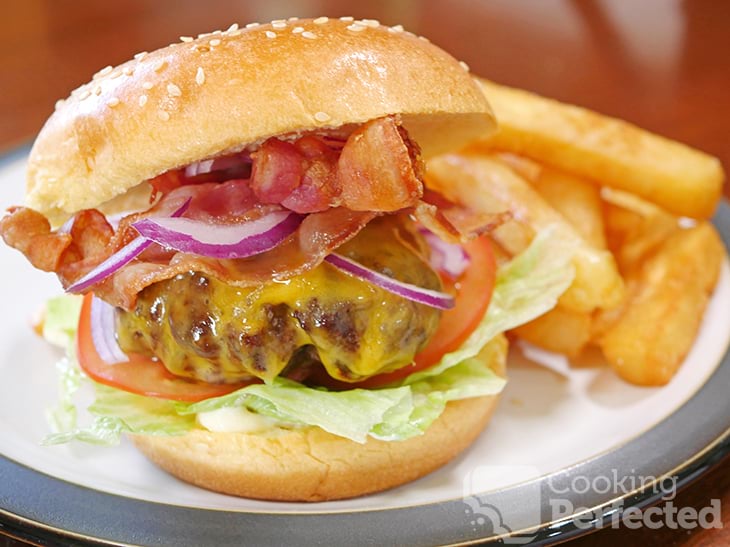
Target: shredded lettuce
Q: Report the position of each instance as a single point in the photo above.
(526, 287)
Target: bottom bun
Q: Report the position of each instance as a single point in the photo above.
(310, 464)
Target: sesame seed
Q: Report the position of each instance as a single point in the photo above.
(84, 95)
(115, 74)
(215, 42)
(322, 117)
(163, 115)
(200, 76)
(232, 28)
(321, 20)
(111, 103)
(106, 70)
(205, 34)
(252, 25)
(278, 24)
(297, 30)
(142, 100)
(397, 28)
(310, 35)
(356, 27)
(128, 71)
(370, 22)
(173, 90)
(234, 33)
(186, 38)
(160, 65)
(292, 19)
(275, 21)
(97, 90)
(464, 65)
(60, 103)
(423, 38)
(270, 34)
(347, 19)
(141, 55)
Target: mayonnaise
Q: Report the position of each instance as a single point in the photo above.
(235, 419)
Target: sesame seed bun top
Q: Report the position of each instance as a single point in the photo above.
(226, 91)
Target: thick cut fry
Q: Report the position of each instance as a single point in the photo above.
(666, 300)
(635, 228)
(559, 330)
(682, 180)
(488, 185)
(577, 200)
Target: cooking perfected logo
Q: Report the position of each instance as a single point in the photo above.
(563, 499)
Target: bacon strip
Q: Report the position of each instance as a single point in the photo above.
(453, 222)
(90, 235)
(69, 254)
(379, 168)
(30, 232)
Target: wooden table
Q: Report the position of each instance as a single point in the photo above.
(662, 64)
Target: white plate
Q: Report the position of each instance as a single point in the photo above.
(551, 417)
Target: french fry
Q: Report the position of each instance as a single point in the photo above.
(526, 168)
(682, 180)
(488, 185)
(666, 299)
(560, 330)
(634, 234)
(577, 200)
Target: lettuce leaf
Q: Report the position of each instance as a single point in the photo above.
(116, 412)
(61, 318)
(526, 287)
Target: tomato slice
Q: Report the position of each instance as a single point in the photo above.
(473, 294)
(140, 375)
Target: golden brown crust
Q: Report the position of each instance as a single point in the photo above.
(312, 465)
(221, 92)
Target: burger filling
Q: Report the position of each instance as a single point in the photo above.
(219, 313)
(208, 330)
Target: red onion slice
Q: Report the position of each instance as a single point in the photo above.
(435, 299)
(103, 332)
(215, 164)
(121, 258)
(450, 258)
(219, 240)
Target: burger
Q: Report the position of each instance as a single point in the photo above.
(274, 303)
